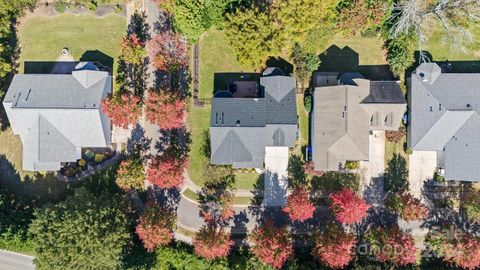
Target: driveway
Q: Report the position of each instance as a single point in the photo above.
(422, 167)
(14, 261)
(372, 170)
(275, 176)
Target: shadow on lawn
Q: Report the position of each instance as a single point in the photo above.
(103, 61)
(38, 186)
(335, 59)
(446, 65)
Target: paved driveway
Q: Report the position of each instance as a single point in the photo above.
(275, 176)
(13, 261)
(422, 167)
(372, 170)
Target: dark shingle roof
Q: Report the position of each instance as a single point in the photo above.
(241, 128)
(385, 92)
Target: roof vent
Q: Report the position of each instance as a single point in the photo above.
(238, 123)
(468, 106)
(28, 94)
(422, 74)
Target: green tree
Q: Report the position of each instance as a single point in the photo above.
(400, 53)
(85, 231)
(396, 175)
(305, 63)
(193, 17)
(253, 36)
(297, 18)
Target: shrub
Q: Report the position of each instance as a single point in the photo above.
(352, 165)
(61, 6)
(99, 158)
(307, 102)
(335, 181)
(89, 154)
(395, 136)
(82, 163)
(471, 206)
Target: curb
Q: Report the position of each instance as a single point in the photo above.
(197, 203)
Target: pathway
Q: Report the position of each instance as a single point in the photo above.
(372, 170)
(422, 168)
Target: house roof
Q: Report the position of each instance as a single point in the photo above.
(241, 128)
(344, 114)
(444, 116)
(56, 115)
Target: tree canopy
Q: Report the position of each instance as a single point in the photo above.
(85, 231)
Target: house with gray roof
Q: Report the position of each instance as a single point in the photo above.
(346, 108)
(56, 115)
(249, 117)
(444, 118)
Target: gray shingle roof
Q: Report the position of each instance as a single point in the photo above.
(241, 128)
(56, 115)
(444, 117)
(343, 115)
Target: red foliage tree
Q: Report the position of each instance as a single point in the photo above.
(123, 110)
(334, 247)
(167, 171)
(408, 207)
(298, 205)
(155, 226)
(392, 245)
(168, 52)
(456, 247)
(272, 245)
(164, 109)
(348, 207)
(212, 243)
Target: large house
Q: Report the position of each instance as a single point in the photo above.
(444, 120)
(56, 115)
(251, 119)
(346, 108)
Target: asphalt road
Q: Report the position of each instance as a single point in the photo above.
(13, 261)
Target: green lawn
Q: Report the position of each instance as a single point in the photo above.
(395, 148)
(302, 121)
(87, 37)
(441, 51)
(216, 56)
(237, 200)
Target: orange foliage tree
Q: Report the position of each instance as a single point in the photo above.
(334, 247)
(155, 226)
(123, 109)
(299, 207)
(168, 52)
(272, 245)
(348, 207)
(165, 109)
(212, 243)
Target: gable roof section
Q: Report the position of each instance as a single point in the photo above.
(444, 117)
(53, 145)
(340, 126)
(385, 92)
(58, 91)
(279, 99)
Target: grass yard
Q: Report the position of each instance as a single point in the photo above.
(395, 148)
(302, 121)
(441, 51)
(237, 200)
(216, 56)
(87, 37)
